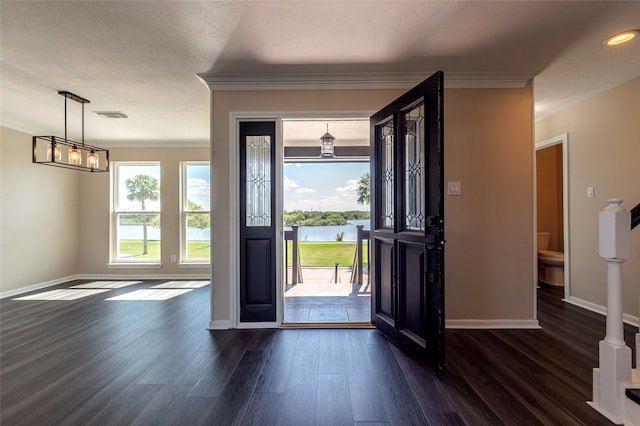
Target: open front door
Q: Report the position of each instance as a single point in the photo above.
(407, 301)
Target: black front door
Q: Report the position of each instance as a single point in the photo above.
(407, 301)
(257, 222)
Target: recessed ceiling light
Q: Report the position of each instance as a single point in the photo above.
(621, 38)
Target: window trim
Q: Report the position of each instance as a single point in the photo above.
(114, 213)
(184, 261)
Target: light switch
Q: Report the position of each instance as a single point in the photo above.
(591, 192)
(454, 188)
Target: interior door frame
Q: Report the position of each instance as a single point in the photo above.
(563, 140)
(234, 209)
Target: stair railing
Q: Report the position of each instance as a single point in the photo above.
(614, 373)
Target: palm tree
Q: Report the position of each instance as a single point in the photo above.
(363, 189)
(142, 188)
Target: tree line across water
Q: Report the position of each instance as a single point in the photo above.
(301, 218)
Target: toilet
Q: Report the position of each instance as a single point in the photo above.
(550, 263)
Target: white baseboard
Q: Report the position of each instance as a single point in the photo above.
(219, 325)
(492, 324)
(143, 276)
(226, 325)
(253, 325)
(38, 286)
(593, 307)
(45, 284)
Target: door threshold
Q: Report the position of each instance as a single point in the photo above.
(327, 325)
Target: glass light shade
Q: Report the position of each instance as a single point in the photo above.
(326, 145)
(326, 150)
(92, 160)
(57, 152)
(74, 156)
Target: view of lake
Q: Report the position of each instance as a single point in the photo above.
(328, 233)
(305, 233)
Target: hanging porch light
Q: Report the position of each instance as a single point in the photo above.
(326, 145)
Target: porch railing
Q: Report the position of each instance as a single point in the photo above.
(296, 273)
(357, 272)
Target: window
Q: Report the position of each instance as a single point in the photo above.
(136, 212)
(195, 214)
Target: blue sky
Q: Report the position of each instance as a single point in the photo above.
(307, 186)
(322, 186)
(199, 185)
(129, 172)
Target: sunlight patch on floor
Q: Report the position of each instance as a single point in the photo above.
(106, 284)
(182, 284)
(62, 294)
(149, 295)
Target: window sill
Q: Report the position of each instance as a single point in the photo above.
(194, 265)
(132, 265)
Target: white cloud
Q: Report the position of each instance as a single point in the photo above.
(325, 203)
(198, 184)
(349, 190)
(288, 183)
(305, 190)
(198, 191)
(298, 164)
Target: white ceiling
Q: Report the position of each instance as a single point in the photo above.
(142, 58)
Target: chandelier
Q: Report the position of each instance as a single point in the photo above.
(62, 152)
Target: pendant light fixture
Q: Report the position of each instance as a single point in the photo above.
(326, 145)
(48, 150)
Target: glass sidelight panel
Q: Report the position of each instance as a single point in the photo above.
(414, 173)
(258, 172)
(385, 136)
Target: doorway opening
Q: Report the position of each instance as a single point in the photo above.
(552, 213)
(326, 220)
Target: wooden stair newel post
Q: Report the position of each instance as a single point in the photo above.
(614, 372)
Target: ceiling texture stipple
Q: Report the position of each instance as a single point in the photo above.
(143, 58)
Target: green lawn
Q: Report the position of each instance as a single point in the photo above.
(327, 254)
(311, 254)
(198, 249)
(133, 248)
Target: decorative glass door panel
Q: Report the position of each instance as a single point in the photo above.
(258, 174)
(413, 130)
(387, 162)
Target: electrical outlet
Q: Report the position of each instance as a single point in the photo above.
(173, 258)
(591, 192)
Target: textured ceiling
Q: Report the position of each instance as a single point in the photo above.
(142, 58)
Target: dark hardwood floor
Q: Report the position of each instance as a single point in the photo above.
(92, 361)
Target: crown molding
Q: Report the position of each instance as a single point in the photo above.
(359, 81)
(194, 143)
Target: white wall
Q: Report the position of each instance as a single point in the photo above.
(39, 217)
(604, 152)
